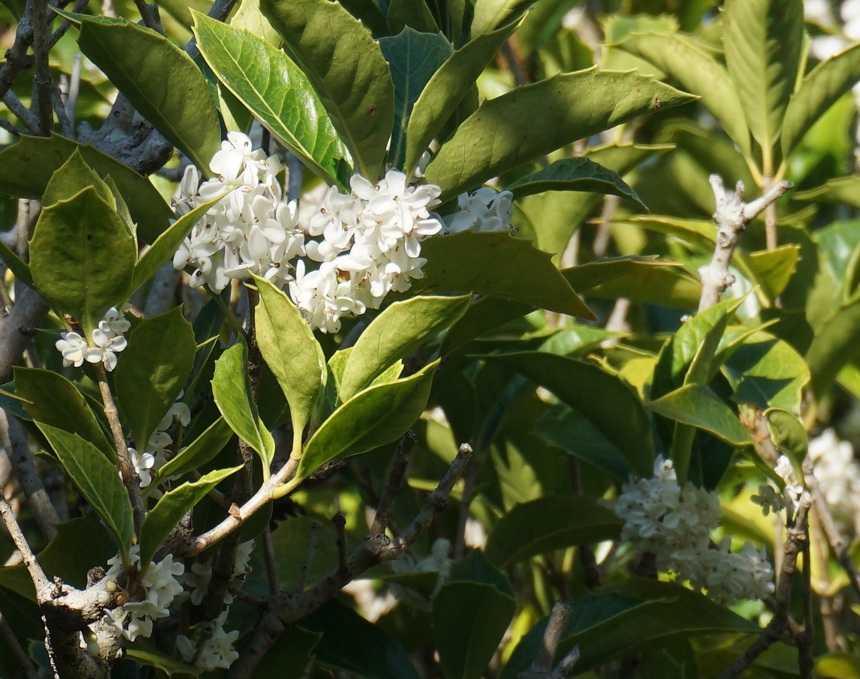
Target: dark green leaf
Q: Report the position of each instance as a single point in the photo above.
(276, 91)
(504, 131)
(414, 13)
(345, 65)
(161, 661)
(15, 264)
(72, 177)
(547, 524)
(200, 451)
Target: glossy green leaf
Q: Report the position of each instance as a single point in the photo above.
(53, 400)
(819, 90)
(82, 257)
(395, 335)
(773, 269)
(200, 451)
(26, 168)
(490, 14)
(697, 406)
(346, 68)
(609, 403)
(547, 524)
(136, 59)
(698, 233)
(374, 417)
(232, 395)
(469, 619)
(470, 262)
(698, 72)
(276, 91)
(504, 132)
(837, 190)
(446, 90)
(767, 372)
(292, 353)
(172, 506)
(413, 57)
(72, 177)
(152, 371)
(98, 480)
(763, 42)
(574, 174)
(414, 13)
(167, 243)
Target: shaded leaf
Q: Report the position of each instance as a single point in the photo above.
(414, 13)
(15, 264)
(837, 190)
(200, 451)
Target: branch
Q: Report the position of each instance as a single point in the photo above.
(731, 216)
(17, 328)
(555, 629)
(289, 607)
(393, 485)
(42, 107)
(37, 575)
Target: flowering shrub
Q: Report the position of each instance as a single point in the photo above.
(463, 339)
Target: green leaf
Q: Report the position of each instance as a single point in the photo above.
(374, 417)
(413, 57)
(160, 661)
(232, 395)
(609, 403)
(574, 174)
(547, 524)
(446, 90)
(276, 91)
(291, 351)
(72, 177)
(394, 335)
(15, 264)
(346, 68)
(469, 619)
(53, 400)
(470, 262)
(200, 451)
(98, 480)
(137, 59)
(172, 506)
(837, 190)
(153, 370)
(763, 42)
(697, 71)
(697, 406)
(414, 13)
(26, 168)
(504, 132)
(819, 90)
(167, 243)
(490, 14)
(82, 257)
(767, 372)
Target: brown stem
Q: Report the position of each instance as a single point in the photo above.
(42, 106)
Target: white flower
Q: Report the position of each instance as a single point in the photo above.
(198, 579)
(73, 347)
(484, 210)
(838, 475)
(143, 464)
(216, 650)
(242, 562)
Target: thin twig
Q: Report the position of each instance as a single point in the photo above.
(15, 106)
(270, 561)
(556, 626)
(393, 484)
(149, 15)
(37, 575)
(41, 105)
(74, 90)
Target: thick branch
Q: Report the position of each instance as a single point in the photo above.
(732, 216)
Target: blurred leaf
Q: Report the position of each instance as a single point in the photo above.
(160, 661)
(446, 89)
(609, 403)
(834, 346)
(414, 13)
(763, 43)
(697, 406)
(26, 168)
(152, 371)
(574, 174)
(97, 479)
(172, 506)
(413, 58)
(82, 257)
(292, 353)
(490, 14)
(347, 70)
(374, 417)
(286, 105)
(136, 59)
(394, 335)
(53, 400)
(699, 73)
(294, 649)
(841, 190)
(819, 90)
(200, 451)
(15, 264)
(470, 262)
(837, 666)
(232, 395)
(773, 269)
(788, 433)
(547, 524)
(504, 132)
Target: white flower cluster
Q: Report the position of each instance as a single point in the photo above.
(484, 210)
(675, 525)
(156, 450)
(108, 341)
(350, 249)
(200, 575)
(215, 650)
(160, 587)
(838, 475)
